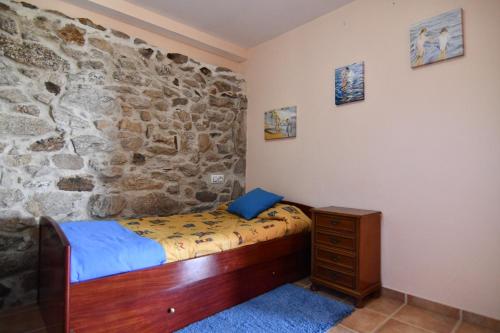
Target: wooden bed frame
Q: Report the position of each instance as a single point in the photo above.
(167, 297)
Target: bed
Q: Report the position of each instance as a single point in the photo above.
(168, 297)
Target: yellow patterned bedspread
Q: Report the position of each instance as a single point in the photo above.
(193, 235)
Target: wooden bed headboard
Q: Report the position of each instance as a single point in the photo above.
(305, 208)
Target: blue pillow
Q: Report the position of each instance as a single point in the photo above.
(253, 203)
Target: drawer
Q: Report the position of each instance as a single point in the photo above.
(335, 240)
(347, 262)
(322, 271)
(198, 300)
(336, 223)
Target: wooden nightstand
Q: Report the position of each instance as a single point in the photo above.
(346, 251)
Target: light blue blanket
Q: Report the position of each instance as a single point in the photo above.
(102, 248)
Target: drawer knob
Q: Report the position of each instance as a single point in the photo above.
(334, 240)
(335, 258)
(274, 273)
(171, 310)
(334, 222)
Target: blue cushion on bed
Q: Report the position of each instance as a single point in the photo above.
(253, 203)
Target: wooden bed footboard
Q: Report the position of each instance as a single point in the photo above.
(54, 278)
(166, 297)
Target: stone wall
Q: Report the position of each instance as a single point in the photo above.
(97, 124)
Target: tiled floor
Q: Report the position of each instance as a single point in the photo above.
(392, 315)
(381, 315)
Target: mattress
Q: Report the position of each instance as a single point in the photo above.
(103, 248)
(193, 235)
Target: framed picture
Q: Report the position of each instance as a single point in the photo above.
(350, 83)
(436, 39)
(280, 123)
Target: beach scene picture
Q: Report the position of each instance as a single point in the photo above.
(350, 83)
(436, 39)
(280, 123)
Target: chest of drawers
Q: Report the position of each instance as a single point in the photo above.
(346, 251)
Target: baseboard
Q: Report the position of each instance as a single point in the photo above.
(465, 316)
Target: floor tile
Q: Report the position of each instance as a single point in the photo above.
(425, 319)
(470, 328)
(340, 329)
(364, 320)
(384, 304)
(394, 326)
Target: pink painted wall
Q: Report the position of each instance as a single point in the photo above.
(424, 147)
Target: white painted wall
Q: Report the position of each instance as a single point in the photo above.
(424, 147)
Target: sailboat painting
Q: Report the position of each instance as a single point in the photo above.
(280, 123)
(436, 39)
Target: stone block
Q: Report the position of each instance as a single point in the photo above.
(155, 204)
(206, 196)
(32, 54)
(68, 161)
(88, 144)
(76, 184)
(102, 205)
(177, 58)
(55, 204)
(70, 33)
(23, 126)
(50, 144)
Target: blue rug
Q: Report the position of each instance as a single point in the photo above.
(286, 309)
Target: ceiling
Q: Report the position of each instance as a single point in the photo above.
(246, 23)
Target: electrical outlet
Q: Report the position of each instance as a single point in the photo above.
(217, 179)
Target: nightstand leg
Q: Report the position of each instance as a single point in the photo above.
(313, 287)
(359, 302)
